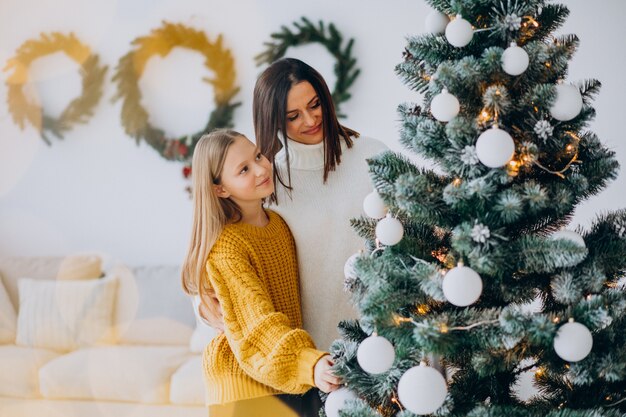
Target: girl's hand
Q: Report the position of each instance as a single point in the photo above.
(324, 378)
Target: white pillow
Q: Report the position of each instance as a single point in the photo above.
(7, 317)
(151, 307)
(65, 315)
(203, 333)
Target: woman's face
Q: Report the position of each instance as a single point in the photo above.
(247, 174)
(304, 114)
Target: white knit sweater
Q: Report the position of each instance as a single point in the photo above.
(319, 216)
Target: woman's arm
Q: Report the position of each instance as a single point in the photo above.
(262, 339)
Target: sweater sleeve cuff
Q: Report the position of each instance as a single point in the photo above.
(307, 358)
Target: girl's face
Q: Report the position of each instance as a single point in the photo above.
(246, 175)
(304, 114)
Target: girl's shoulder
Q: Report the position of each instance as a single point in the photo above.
(238, 236)
(230, 242)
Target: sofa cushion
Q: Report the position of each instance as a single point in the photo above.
(13, 268)
(203, 333)
(87, 266)
(151, 307)
(65, 315)
(20, 365)
(8, 317)
(115, 373)
(187, 387)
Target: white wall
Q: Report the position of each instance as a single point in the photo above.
(98, 191)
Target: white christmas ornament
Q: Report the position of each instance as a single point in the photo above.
(495, 147)
(348, 267)
(422, 390)
(336, 401)
(568, 102)
(569, 235)
(375, 355)
(462, 286)
(389, 231)
(514, 60)
(444, 106)
(459, 32)
(374, 206)
(573, 341)
(436, 22)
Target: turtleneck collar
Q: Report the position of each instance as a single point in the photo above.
(302, 156)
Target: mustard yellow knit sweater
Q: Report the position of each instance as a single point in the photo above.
(263, 350)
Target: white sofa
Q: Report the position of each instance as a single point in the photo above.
(127, 344)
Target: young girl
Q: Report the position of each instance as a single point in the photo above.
(323, 174)
(245, 256)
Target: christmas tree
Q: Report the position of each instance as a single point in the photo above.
(456, 256)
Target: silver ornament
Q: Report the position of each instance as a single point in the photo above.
(543, 129)
(480, 233)
(512, 22)
(469, 155)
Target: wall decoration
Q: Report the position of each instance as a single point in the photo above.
(79, 109)
(130, 67)
(306, 33)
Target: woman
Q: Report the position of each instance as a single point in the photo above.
(321, 177)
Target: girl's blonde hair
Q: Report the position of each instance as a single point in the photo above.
(210, 212)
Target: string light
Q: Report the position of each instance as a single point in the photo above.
(617, 402)
(398, 320)
(396, 402)
(456, 182)
(422, 309)
(513, 167)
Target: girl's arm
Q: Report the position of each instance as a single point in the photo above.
(265, 345)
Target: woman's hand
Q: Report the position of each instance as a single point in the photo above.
(323, 376)
(210, 311)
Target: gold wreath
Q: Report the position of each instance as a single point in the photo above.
(161, 41)
(78, 110)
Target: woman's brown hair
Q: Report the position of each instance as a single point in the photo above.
(269, 108)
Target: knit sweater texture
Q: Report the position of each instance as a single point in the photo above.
(318, 215)
(263, 350)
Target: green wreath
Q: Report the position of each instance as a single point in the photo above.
(307, 33)
(78, 110)
(131, 66)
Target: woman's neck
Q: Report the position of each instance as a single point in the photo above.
(253, 214)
